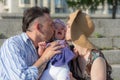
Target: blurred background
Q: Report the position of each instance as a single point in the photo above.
(105, 7)
(104, 13)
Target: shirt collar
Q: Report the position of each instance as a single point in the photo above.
(25, 37)
(27, 40)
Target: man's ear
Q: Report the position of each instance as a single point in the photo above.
(39, 27)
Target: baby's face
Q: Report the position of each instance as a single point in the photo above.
(60, 31)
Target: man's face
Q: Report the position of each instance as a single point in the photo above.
(48, 28)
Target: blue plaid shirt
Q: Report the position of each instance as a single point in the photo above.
(17, 56)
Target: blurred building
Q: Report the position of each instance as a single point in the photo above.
(18, 6)
(55, 6)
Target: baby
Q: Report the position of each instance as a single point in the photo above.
(57, 68)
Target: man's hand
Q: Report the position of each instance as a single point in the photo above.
(52, 49)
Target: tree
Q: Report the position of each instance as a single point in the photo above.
(92, 5)
(1, 0)
(115, 2)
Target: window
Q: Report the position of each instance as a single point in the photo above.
(60, 6)
(5, 2)
(24, 3)
(58, 3)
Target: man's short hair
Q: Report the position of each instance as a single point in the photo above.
(31, 14)
(45, 10)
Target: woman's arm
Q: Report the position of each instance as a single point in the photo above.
(98, 69)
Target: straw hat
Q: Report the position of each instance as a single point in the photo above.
(81, 28)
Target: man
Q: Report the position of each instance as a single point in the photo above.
(19, 59)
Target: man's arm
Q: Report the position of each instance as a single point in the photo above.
(14, 64)
(50, 51)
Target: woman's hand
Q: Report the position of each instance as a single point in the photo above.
(71, 77)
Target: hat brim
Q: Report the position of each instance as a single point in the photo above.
(81, 27)
(72, 16)
(83, 41)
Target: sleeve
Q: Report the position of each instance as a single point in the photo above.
(63, 58)
(15, 65)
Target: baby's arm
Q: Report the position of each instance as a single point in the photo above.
(41, 48)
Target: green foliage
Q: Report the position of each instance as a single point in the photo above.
(88, 4)
(104, 48)
(112, 1)
(93, 4)
(84, 4)
(97, 35)
(1, 0)
(2, 36)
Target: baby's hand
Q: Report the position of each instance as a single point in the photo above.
(41, 48)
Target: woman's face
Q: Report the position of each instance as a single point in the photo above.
(68, 31)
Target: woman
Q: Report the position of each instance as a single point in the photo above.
(90, 64)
